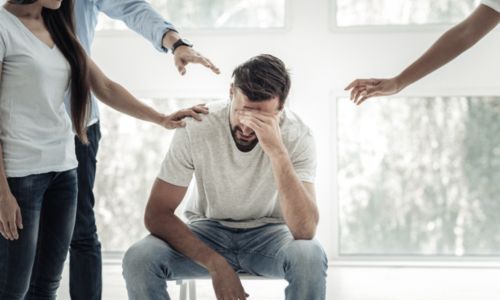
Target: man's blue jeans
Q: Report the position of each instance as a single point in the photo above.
(85, 262)
(31, 267)
(268, 251)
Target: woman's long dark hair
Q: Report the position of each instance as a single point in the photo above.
(61, 26)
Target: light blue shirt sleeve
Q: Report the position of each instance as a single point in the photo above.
(139, 16)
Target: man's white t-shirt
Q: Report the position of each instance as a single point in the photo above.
(234, 188)
(494, 4)
(35, 129)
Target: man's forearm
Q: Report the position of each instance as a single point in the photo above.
(297, 204)
(171, 229)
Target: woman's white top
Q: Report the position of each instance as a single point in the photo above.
(35, 130)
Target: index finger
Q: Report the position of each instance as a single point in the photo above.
(353, 83)
(200, 59)
(243, 296)
(200, 109)
(13, 229)
(358, 82)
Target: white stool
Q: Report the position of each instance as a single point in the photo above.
(188, 286)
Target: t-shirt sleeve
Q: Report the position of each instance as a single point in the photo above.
(304, 158)
(177, 167)
(494, 4)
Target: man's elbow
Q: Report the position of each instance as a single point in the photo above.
(149, 221)
(305, 232)
(304, 235)
(153, 220)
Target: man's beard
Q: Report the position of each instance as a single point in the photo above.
(242, 145)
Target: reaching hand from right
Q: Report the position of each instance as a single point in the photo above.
(227, 284)
(10, 216)
(362, 89)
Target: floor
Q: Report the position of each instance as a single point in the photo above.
(351, 283)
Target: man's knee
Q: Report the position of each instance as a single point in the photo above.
(134, 260)
(305, 257)
(142, 259)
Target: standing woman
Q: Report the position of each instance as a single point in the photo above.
(40, 59)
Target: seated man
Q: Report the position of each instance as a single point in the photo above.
(254, 210)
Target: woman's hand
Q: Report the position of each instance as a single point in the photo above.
(10, 216)
(362, 89)
(175, 120)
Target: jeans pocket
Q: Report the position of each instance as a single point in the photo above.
(24, 183)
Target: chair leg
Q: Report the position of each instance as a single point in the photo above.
(192, 289)
(183, 289)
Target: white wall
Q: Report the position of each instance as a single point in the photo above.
(322, 62)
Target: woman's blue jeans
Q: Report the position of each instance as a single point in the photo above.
(31, 267)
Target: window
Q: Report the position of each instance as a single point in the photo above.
(419, 176)
(400, 12)
(129, 159)
(211, 14)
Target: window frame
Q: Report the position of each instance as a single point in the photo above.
(212, 31)
(479, 261)
(388, 28)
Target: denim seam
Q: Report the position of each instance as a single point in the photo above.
(259, 253)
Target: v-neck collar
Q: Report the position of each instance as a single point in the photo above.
(27, 30)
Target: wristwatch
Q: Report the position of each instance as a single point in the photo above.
(181, 42)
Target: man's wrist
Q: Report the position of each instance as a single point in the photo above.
(214, 262)
(279, 155)
(169, 38)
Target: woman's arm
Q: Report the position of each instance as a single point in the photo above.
(117, 97)
(451, 44)
(10, 213)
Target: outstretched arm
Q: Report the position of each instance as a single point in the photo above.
(117, 97)
(10, 213)
(139, 16)
(450, 45)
